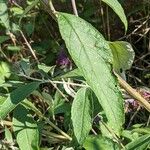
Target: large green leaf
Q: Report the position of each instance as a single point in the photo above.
(81, 114)
(26, 129)
(16, 97)
(92, 55)
(123, 55)
(4, 14)
(141, 143)
(100, 143)
(115, 5)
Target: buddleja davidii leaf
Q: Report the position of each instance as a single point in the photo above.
(92, 55)
(81, 114)
(25, 129)
(116, 6)
(123, 55)
(16, 97)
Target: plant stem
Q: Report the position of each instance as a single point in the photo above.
(48, 121)
(29, 46)
(74, 7)
(52, 7)
(133, 92)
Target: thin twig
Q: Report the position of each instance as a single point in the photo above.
(49, 122)
(133, 116)
(108, 26)
(70, 83)
(5, 55)
(52, 7)
(46, 81)
(112, 133)
(74, 7)
(54, 135)
(55, 86)
(6, 123)
(133, 92)
(29, 46)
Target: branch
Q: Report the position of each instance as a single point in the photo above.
(133, 92)
(74, 7)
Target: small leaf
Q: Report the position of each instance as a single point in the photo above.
(45, 68)
(8, 135)
(123, 55)
(100, 143)
(92, 55)
(4, 38)
(4, 71)
(115, 5)
(81, 115)
(13, 48)
(4, 14)
(141, 143)
(2, 100)
(35, 2)
(70, 74)
(16, 97)
(26, 129)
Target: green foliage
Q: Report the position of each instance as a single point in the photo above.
(115, 5)
(16, 97)
(28, 9)
(52, 100)
(4, 71)
(25, 129)
(93, 57)
(81, 114)
(123, 55)
(140, 143)
(4, 18)
(101, 143)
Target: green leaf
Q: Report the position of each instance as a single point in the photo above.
(81, 115)
(16, 97)
(70, 74)
(123, 55)
(2, 99)
(141, 143)
(4, 71)
(100, 143)
(92, 55)
(8, 135)
(4, 14)
(35, 2)
(26, 129)
(115, 5)
(45, 68)
(14, 48)
(4, 38)
(129, 135)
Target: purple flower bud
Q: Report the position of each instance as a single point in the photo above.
(63, 60)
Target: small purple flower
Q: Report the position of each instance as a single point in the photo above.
(146, 94)
(131, 104)
(63, 60)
